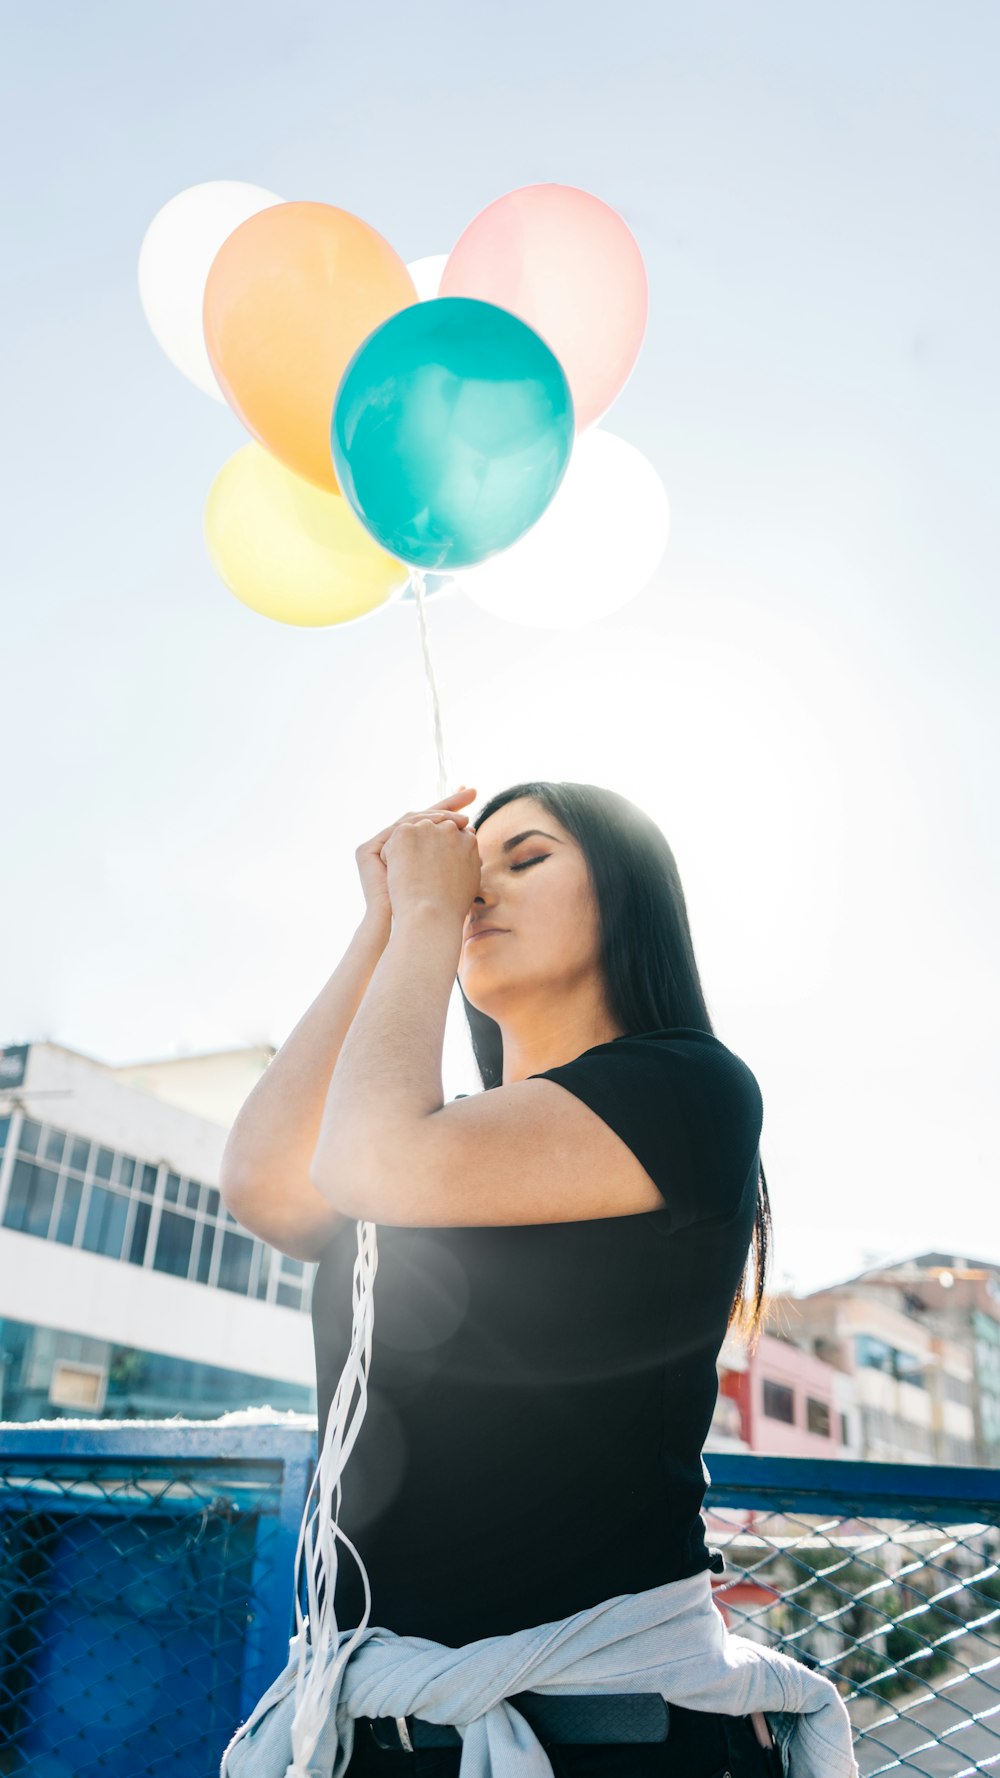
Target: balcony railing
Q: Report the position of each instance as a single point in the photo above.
(146, 1591)
(886, 1578)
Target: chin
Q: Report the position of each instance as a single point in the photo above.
(471, 998)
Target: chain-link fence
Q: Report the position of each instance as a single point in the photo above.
(886, 1578)
(146, 1591)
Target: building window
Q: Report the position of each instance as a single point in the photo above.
(52, 1146)
(878, 1355)
(818, 1416)
(234, 1265)
(30, 1137)
(140, 1229)
(260, 1289)
(69, 1189)
(779, 1402)
(69, 1214)
(104, 1160)
(107, 1215)
(909, 1369)
(173, 1244)
(79, 1154)
(204, 1266)
(873, 1353)
(30, 1199)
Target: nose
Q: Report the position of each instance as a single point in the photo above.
(483, 908)
(483, 896)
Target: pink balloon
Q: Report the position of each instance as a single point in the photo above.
(569, 266)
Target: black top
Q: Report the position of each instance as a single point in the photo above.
(539, 1394)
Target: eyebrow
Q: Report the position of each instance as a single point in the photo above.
(508, 845)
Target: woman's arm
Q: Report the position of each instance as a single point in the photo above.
(390, 1075)
(391, 1151)
(264, 1177)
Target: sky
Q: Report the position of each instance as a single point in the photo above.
(803, 697)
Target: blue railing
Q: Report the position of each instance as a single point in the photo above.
(885, 1577)
(146, 1591)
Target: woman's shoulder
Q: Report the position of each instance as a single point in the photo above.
(688, 1040)
(687, 1044)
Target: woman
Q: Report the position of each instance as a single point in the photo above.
(559, 1257)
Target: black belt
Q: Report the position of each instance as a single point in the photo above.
(592, 1718)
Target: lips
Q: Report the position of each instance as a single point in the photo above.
(484, 932)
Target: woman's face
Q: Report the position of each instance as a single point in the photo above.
(537, 889)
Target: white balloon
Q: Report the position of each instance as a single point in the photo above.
(174, 262)
(597, 544)
(426, 274)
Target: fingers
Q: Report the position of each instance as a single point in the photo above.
(453, 815)
(448, 809)
(426, 820)
(462, 795)
(436, 818)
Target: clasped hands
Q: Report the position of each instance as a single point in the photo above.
(432, 863)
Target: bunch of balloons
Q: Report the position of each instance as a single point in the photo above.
(434, 418)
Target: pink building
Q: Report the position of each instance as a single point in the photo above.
(788, 1401)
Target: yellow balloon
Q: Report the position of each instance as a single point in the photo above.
(291, 550)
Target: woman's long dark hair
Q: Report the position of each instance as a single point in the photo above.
(651, 976)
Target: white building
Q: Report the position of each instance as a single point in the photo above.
(126, 1286)
(912, 1384)
(960, 1297)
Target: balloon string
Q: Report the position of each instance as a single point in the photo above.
(417, 583)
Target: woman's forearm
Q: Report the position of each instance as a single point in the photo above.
(275, 1134)
(390, 1077)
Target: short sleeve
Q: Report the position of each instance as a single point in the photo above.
(689, 1109)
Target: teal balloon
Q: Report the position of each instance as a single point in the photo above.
(452, 428)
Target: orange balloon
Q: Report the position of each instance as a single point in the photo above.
(290, 296)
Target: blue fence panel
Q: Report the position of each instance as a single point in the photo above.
(146, 1592)
(146, 1597)
(885, 1577)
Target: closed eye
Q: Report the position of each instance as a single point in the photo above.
(527, 861)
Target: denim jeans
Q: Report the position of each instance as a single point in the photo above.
(699, 1745)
